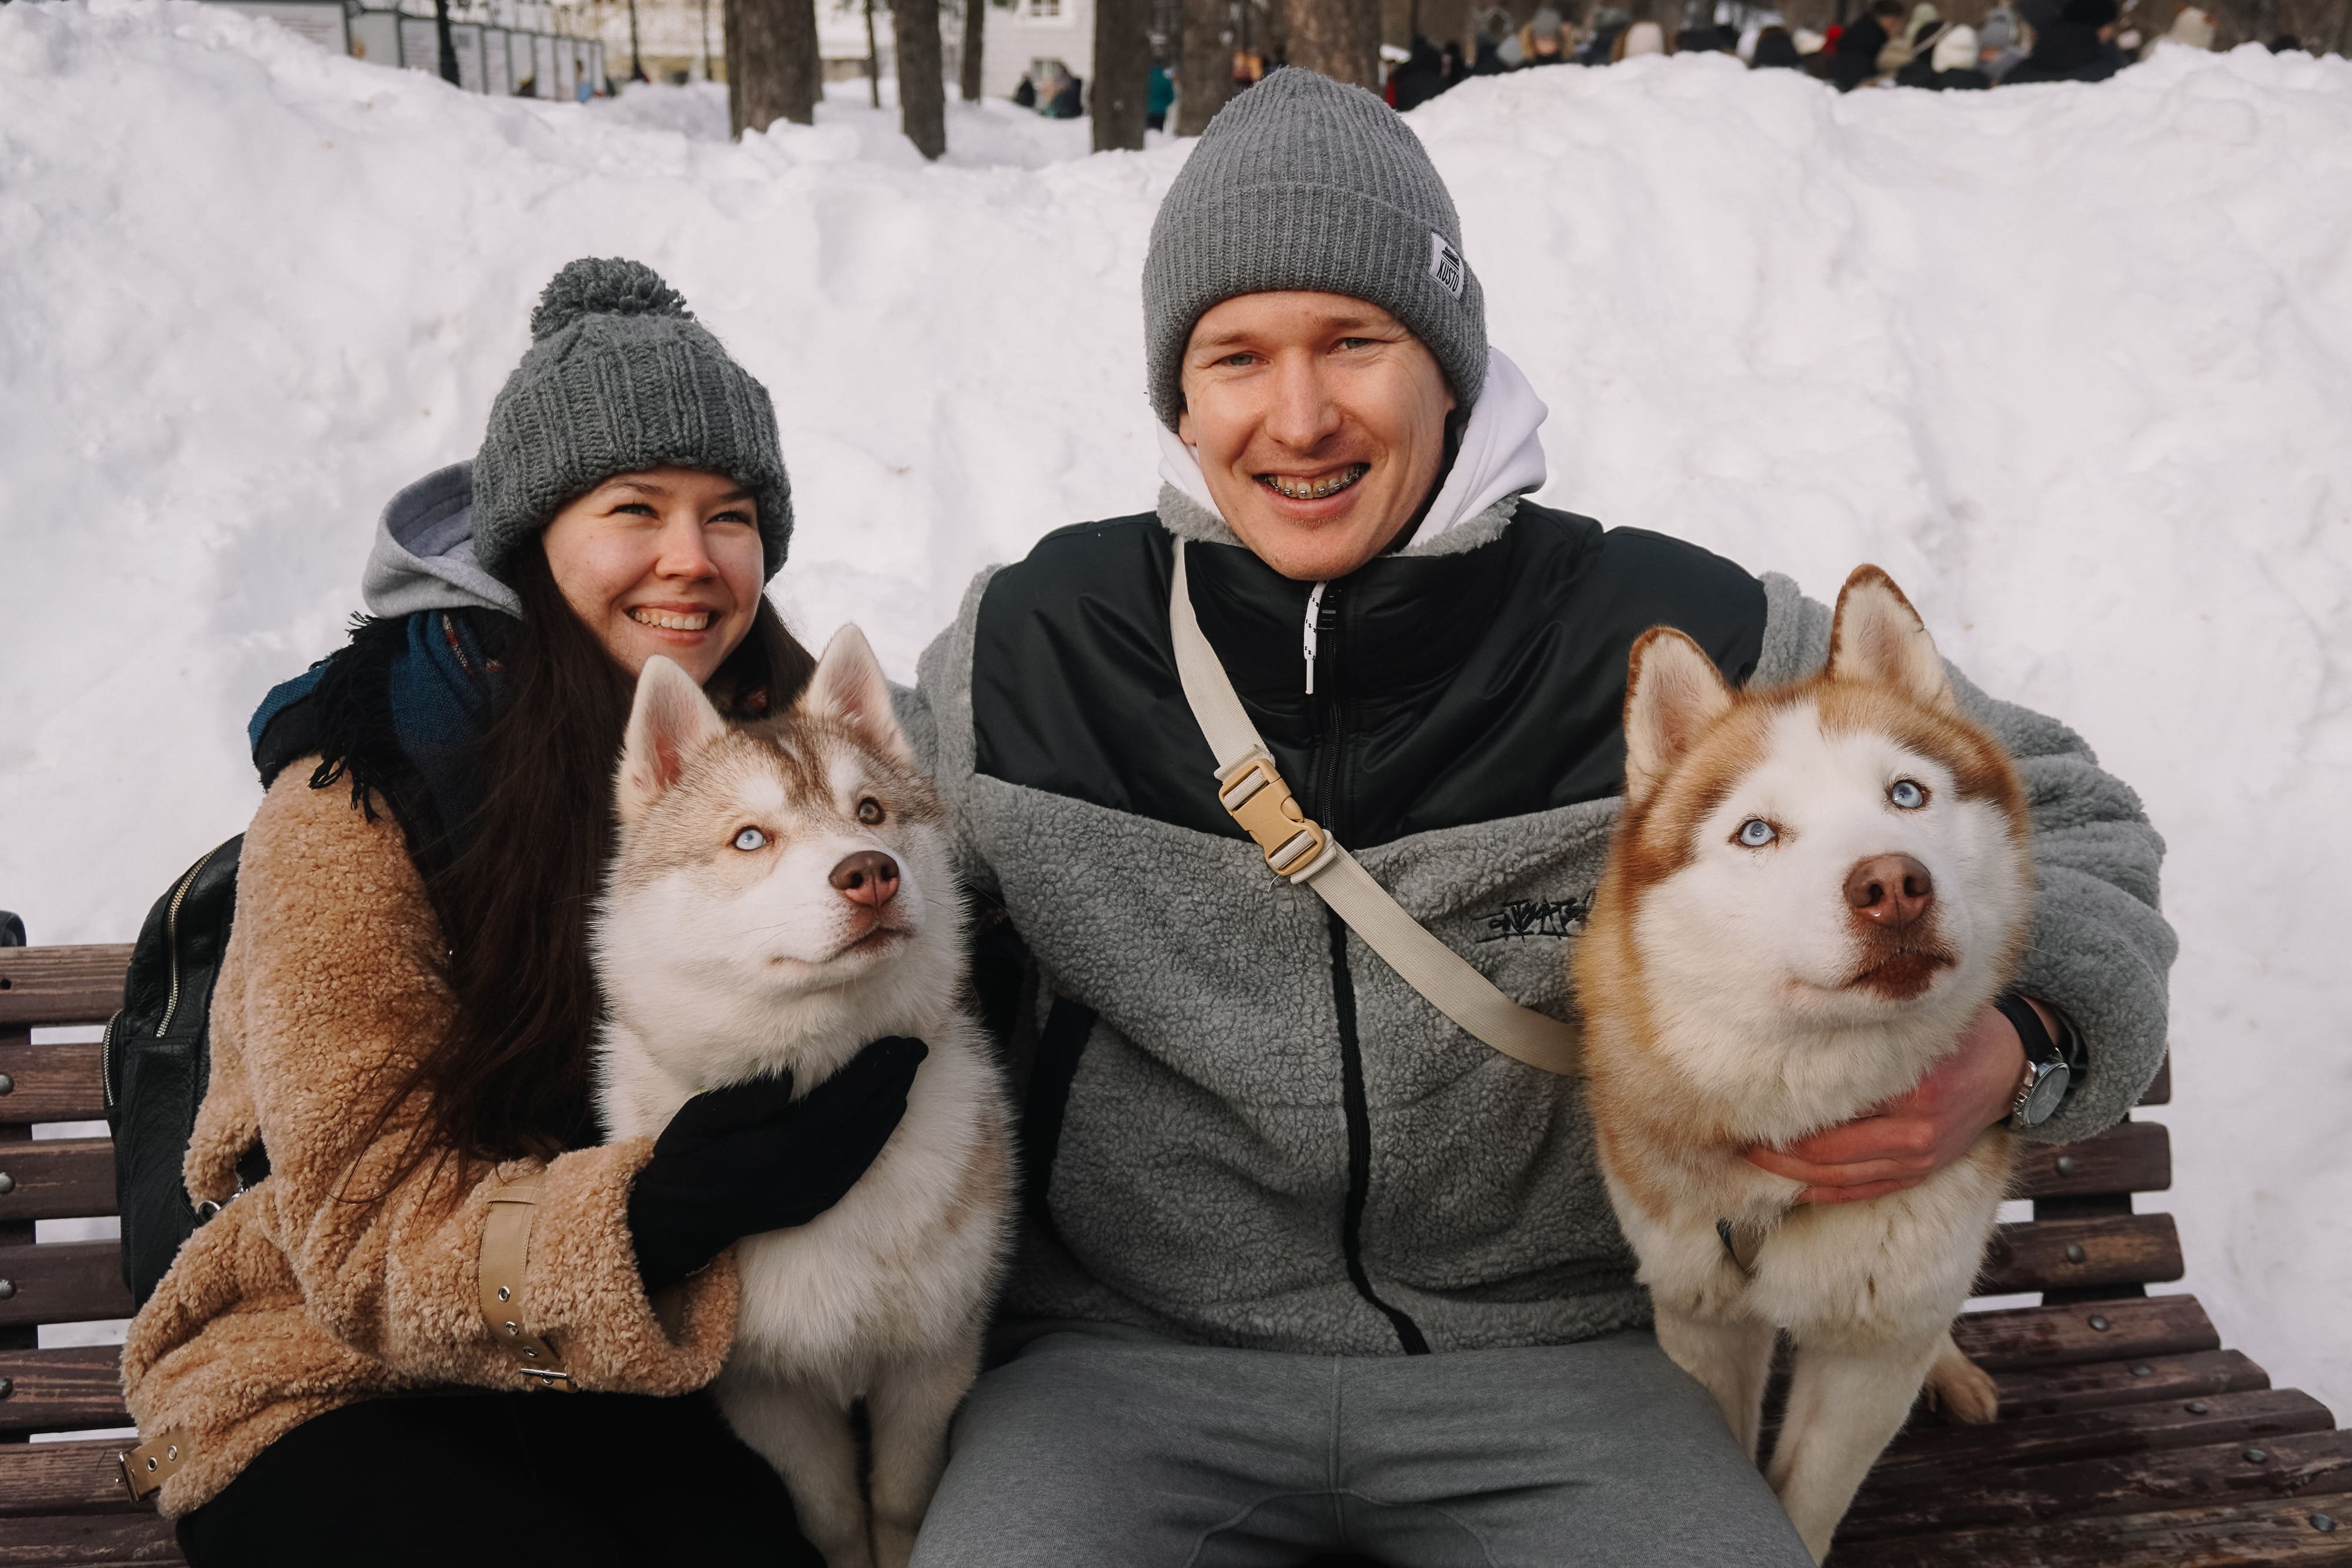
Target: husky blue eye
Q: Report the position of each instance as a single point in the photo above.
(750, 839)
(1906, 794)
(1756, 833)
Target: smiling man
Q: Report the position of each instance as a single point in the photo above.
(1308, 1267)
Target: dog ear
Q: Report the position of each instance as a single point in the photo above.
(1673, 691)
(1877, 637)
(849, 686)
(669, 722)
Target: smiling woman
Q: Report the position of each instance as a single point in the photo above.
(406, 1007)
(665, 561)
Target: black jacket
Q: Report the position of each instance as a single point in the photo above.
(1450, 689)
(1857, 54)
(2067, 51)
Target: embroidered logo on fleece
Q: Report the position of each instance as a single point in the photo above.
(1446, 266)
(1525, 917)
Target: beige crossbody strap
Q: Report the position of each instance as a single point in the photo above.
(1253, 793)
(505, 1266)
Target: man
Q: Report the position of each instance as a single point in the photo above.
(1306, 1267)
(1858, 47)
(2078, 47)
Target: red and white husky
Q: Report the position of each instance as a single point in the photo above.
(783, 895)
(1812, 890)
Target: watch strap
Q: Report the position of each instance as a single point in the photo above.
(2045, 1058)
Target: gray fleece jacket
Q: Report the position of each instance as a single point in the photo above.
(1241, 1127)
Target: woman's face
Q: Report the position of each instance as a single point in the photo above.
(667, 561)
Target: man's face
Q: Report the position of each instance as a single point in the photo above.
(1319, 423)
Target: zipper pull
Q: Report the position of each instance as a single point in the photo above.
(1314, 613)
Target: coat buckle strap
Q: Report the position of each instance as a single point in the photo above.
(146, 1468)
(505, 1266)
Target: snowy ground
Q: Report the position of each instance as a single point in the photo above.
(2074, 363)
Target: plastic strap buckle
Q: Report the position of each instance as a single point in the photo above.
(1254, 795)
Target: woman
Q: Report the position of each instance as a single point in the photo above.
(403, 1018)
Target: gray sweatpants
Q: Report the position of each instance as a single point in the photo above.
(1096, 1451)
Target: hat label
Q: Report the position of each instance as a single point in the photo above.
(1446, 265)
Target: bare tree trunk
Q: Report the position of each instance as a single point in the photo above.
(1341, 38)
(730, 29)
(1122, 74)
(772, 63)
(448, 44)
(873, 59)
(976, 35)
(1205, 72)
(922, 84)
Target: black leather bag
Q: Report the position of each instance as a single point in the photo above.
(157, 1060)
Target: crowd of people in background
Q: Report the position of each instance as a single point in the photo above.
(1894, 43)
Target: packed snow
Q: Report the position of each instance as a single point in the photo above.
(2074, 363)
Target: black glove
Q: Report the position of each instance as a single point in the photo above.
(745, 1159)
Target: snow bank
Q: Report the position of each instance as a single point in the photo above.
(2074, 363)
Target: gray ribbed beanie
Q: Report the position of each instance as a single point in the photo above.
(620, 377)
(1302, 183)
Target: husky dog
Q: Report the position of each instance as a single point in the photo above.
(1811, 892)
(780, 897)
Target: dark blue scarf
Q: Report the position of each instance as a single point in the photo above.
(398, 711)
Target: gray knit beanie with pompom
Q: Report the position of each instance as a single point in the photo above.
(620, 377)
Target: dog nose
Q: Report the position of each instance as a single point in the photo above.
(871, 877)
(1892, 889)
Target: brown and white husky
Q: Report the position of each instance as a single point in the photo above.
(783, 895)
(1812, 890)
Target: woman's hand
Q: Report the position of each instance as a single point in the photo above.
(1912, 1137)
(747, 1158)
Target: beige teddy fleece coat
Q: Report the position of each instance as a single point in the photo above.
(295, 1300)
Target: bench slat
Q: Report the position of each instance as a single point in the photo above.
(2132, 1156)
(64, 1282)
(2114, 1249)
(2278, 1532)
(2097, 1385)
(62, 1388)
(2183, 1477)
(45, 987)
(51, 1082)
(1935, 1457)
(2013, 1339)
(56, 1541)
(57, 1178)
(2159, 1092)
(64, 1477)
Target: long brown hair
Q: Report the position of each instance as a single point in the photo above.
(510, 1078)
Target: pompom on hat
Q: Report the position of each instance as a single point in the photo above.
(620, 377)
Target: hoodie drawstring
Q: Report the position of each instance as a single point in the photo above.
(1314, 612)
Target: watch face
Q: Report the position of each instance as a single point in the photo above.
(2048, 1090)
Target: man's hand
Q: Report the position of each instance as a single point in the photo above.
(1912, 1137)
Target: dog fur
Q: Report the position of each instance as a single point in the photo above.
(1733, 998)
(723, 962)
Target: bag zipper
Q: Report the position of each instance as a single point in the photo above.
(106, 1061)
(171, 938)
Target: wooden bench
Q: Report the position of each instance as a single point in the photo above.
(2128, 1438)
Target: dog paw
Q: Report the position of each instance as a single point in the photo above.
(1962, 1389)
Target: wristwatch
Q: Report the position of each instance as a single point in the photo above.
(2047, 1072)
